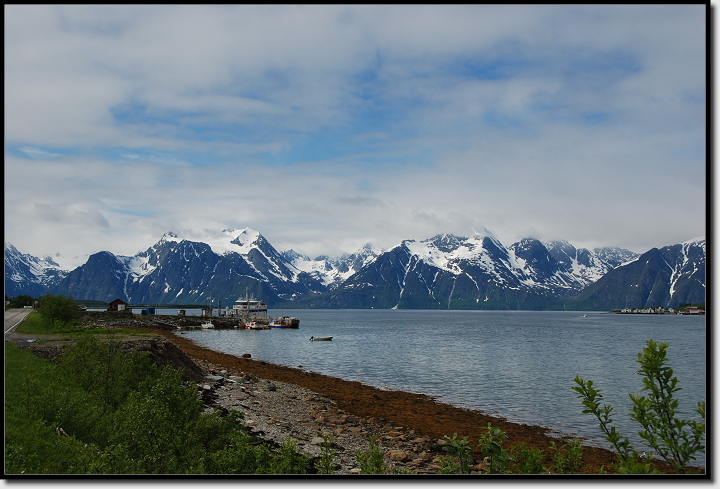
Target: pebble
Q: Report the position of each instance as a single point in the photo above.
(280, 411)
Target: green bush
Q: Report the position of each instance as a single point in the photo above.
(102, 411)
(59, 311)
(459, 456)
(325, 463)
(491, 447)
(527, 460)
(676, 440)
(566, 457)
(372, 461)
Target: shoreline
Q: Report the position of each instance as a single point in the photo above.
(419, 413)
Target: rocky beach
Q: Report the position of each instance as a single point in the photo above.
(280, 402)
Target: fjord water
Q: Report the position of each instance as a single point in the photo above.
(515, 364)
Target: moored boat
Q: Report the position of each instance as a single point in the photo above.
(321, 338)
(285, 322)
(255, 325)
(207, 325)
(248, 306)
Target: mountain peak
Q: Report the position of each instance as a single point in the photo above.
(483, 233)
(243, 237)
(170, 236)
(700, 240)
(226, 241)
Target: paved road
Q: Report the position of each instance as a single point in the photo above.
(13, 317)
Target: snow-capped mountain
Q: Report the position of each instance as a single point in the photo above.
(668, 277)
(179, 271)
(585, 265)
(332, 272)
(448, 271)
(30, 275)
(445, 271)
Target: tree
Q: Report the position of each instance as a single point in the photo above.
(20, 301)
(58, 310)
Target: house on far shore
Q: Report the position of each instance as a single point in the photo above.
(694, 310)
(117, 305)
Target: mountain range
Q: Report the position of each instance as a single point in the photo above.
(445, 271)
(29, 275)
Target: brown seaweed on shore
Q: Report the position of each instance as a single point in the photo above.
(412, 411)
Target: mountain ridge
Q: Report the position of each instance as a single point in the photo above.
(444, 271)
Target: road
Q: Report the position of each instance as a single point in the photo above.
(13, 317)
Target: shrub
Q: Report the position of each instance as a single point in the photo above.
(58, 311)
(527, 460)
(101, 411)
(675, 440)
(372, 461)
(325, 464)
(566, 457)
(460, 455)
(491, 446)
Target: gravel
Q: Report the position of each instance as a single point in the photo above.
(278, 411)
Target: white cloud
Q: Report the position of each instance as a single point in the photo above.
(332, 126)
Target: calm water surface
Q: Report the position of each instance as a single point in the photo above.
(515, 364)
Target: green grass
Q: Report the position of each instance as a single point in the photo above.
(34, 324)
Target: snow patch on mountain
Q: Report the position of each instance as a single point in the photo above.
(28, 274)
(529, 263)
(139, 265)
(699, 241)
(682, 266)
(331, 272)
(227, 241)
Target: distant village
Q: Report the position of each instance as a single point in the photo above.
(660, 310)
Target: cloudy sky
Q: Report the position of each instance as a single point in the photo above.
(328, 127)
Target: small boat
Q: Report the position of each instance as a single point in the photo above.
(321, 338)
(285, 322)
(254, 325)
(207, 325)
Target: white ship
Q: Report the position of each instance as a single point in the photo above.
(249, 307)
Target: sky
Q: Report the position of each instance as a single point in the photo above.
(328, 127)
